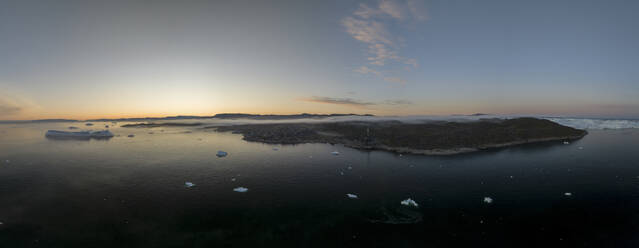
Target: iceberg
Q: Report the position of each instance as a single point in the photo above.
(335, 153)
(409, 202)
(55, 134)
(568, 194)
(352, 196)
(240, 189)
(488, 200)
(189, 184)
(221, 154)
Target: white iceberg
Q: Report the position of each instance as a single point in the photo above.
(409, 202)
(335, 153)
(488, 200)
(221, 154)
(189, 184)
(352, 196)
(240, 189)
(566, 143)
(568, 194)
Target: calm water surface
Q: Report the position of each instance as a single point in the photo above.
(130, 192)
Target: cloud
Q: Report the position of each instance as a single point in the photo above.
(371, 32)
(367, 25)
(7, 109)
(393, 9)
(395, 80)
(338, 101)
(417, 9)
(397, 102)
(12, 105)
(366, 70)
(353, 102)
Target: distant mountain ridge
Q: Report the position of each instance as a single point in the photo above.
(194, 117)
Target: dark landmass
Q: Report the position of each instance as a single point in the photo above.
(167, 124)
(431, 138)
(37, 121)
(279, 117)
(192, 117)
(167, 118)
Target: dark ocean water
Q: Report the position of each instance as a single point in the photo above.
(130, 192)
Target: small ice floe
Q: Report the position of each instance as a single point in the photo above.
(240, 189)
(488, 200)
(352, 196)
(409, 202)
(221, 154)
(130, 136)
(189, 184)
(568, 194)
(233, 179)
(89, 124)
(335, 153)
(566, 143)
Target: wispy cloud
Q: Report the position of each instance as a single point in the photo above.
(12, 105)
(367, 25)
(353, 102)
(338, 101)
(395, 80)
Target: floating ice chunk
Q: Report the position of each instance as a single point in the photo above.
(240, 189)
(409, 202)
(189, 184)
(566, 143)
(352, 196)
(568, 194)
(221, 154)
(335, 153)
(488, 200)
(232, 179)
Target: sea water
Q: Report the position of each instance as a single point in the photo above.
(130, 192)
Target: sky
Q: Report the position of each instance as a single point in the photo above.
(111, 59)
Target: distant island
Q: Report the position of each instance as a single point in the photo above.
(429, 138)
(193, 117)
